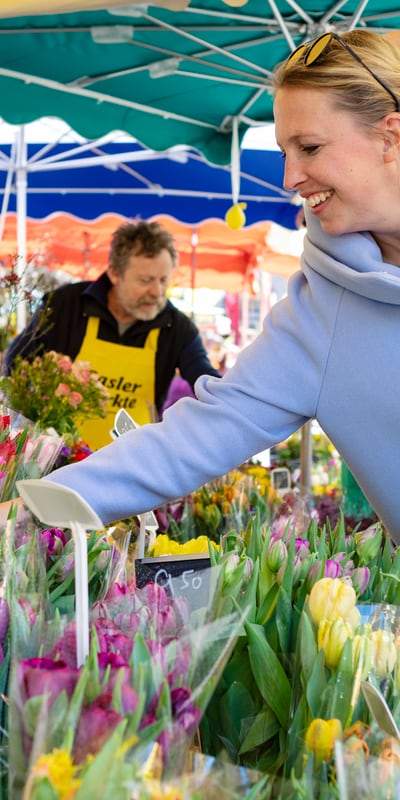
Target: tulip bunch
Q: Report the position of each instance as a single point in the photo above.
(150, 674)
(292, 685)
(25, 451)
(225, 504)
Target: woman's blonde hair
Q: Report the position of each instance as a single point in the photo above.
(352, 86)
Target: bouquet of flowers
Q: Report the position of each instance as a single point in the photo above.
(151, 671)
(55, 392)
(26, 451)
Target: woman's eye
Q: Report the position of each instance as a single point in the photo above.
(310, 148)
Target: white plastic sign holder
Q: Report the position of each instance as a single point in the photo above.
(59, 507)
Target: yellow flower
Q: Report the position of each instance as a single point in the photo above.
(331, 598)
(320, 738)
(164, 546)
(58, 767)
(332, 637)
(362, 654)
(384, 652)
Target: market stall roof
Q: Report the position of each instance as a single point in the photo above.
(199, 76)
(87, 179)
(211, 255)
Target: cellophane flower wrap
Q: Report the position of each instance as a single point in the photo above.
(151, 671)
(55, 392)
(280, 678)
(26, 451)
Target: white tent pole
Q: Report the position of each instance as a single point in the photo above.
(21, 185)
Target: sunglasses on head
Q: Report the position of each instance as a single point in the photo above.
(312, 51)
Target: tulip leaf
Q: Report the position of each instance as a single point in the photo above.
(316, 685)
(288, 575)
(44, 790)
(102, 769)
(249, 597)
(340, 703)
(263, 728)
(268, 672)
(308, 646)
(284, 610)
(267, 607)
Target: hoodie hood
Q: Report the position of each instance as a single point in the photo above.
(352, 261)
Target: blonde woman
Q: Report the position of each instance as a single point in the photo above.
(331, 349)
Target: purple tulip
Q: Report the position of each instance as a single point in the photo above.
(28, 610)
(116, 644)
(332, 569)
(4, 618)
(65, 647)
(53, 541)
(131, 623)
(360, 579)
(38, 676)
(302, 547)
(96, 724)
(65, 565)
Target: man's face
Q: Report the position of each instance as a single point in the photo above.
(140, 292)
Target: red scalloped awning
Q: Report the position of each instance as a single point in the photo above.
(211, 255)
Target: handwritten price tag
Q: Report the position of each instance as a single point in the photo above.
(181, 576)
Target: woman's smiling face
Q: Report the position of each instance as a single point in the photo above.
(332, 161)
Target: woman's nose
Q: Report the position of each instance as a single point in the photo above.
(293, 176)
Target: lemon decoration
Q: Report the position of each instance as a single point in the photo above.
(235, 216)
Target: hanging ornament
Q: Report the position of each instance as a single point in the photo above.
(235, 216)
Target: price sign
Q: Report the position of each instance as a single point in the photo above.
(181, 576)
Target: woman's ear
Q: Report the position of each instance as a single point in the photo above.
(391, 136)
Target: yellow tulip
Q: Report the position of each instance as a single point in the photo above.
(320, 738)
(384, 652)
(362, 654)
(331, 598)
(332, 637)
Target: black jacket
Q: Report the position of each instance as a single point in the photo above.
(179, 343)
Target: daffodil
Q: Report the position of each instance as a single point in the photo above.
(60, 770)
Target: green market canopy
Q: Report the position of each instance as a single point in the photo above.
(198, 75)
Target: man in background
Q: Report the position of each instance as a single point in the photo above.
(124, 325)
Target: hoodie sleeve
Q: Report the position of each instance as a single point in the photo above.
(270, 392)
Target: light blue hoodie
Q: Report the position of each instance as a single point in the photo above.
(330, 351)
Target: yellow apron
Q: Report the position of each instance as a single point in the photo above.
(116, 365)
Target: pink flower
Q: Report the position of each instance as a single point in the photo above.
(96, 724)
(62, 390)
(4, 618)
(74, 399)
(54, 540)
(39, 676)
(65, 363)
(81, 370)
